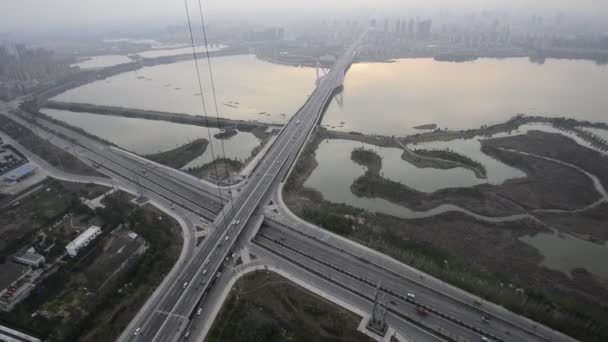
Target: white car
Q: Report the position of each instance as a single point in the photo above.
(185, 285)
(137, 331)
(227, 237)
(199, 311)
(411, 296)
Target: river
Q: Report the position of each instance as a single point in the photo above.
(149, 136)
(393, 98)
(246, 88)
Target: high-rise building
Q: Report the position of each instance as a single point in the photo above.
(424, 29)
(410, 27)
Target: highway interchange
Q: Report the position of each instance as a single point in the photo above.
(341, 270)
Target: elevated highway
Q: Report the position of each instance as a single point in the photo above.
(170, 317)
(346, 271)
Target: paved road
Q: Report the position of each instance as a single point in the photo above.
(347, 272)
(171, 316)
(361, 272)
(152, 179)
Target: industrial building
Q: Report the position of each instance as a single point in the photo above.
(19, 174)
(83, 240)
(29, 258)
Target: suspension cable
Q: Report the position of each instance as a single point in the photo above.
(217, 115)
(204, 106)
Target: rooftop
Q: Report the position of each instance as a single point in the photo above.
(19, 172)
(9, 272)
(84, 236)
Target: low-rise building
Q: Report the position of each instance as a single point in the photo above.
(82, 240)
(15, 284)
(19, 174)
(29, 258)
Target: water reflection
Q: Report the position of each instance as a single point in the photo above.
(149, 136)
(247, 89)
(564, 252)
(392, 98)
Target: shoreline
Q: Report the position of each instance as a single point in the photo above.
(181, 118)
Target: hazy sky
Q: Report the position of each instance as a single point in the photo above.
(35, 15)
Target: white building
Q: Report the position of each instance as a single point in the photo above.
(30, 258)
(82, 240)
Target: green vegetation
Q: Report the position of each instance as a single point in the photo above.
(426, 127)
(218, 170)
(267, 308)
(487, 259)
(467, 270)
(226, 133)
(49, 202)
(44, 149)
(330, 221)
(179, 157)
(464, 161)
(112, 315)
(368, 158)
(76, 302)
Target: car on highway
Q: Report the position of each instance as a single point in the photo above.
(227, 237)
(485, 339)
(185, 285)
(136, 332)
(411, 296)
(199, 311)
(421, 311)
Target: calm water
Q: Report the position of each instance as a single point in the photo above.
(102, 61)
(392, 98)
(336, 171)
(149, 136)
(564, 252)
(245, 87)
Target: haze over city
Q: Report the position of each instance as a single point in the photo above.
(303, 170)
